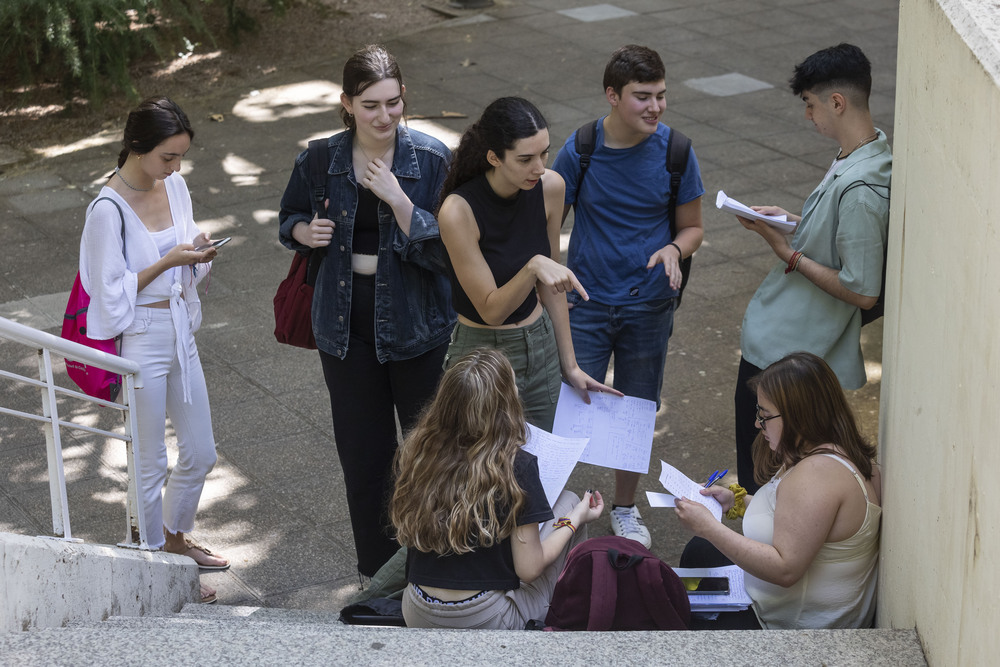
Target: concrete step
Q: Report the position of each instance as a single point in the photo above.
(232, 637)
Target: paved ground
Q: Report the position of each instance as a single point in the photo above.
(274, 503)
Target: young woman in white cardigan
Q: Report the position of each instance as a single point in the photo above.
(144, 288)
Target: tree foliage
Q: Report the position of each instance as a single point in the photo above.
(88, 46)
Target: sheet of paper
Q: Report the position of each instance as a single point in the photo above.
(738, 598)
(620, 428)
(661, 499)
(730, 205)
(677, 483)
(556, 458)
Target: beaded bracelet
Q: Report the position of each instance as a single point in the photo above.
(564, 521)
(739, 507)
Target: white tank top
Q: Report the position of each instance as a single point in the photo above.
(838, 589)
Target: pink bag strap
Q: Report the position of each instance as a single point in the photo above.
(121, 216)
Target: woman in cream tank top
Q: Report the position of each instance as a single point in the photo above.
(810, 541)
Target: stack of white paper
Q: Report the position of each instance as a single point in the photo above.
(730, 205)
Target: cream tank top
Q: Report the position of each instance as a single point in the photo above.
(838, 589)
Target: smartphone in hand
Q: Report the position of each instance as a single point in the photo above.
(214, 244)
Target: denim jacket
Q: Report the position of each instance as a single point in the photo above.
(412, 295)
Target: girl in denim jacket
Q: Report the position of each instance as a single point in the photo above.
(381, 307)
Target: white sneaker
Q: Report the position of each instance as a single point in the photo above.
(626, 522)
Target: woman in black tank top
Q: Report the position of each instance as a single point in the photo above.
(499, 218)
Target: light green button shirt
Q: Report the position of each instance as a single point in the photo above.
(842, 227)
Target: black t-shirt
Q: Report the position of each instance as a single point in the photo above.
(486, 568)
(511, 232)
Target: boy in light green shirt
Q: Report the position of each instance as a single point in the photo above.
(831, 267)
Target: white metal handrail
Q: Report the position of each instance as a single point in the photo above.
(46, 344)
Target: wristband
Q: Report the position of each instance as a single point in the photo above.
(564, 522)
(739, 507)
(680, 253)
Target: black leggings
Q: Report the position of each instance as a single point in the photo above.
(365, 397)
(746, 426)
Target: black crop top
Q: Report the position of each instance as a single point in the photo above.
(365, 239)
(511, 232)
(485, 568)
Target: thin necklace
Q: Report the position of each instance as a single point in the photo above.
(380, 157)
(118, 170)
(841, 155)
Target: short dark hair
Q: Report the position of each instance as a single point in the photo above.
(155, 120)
(368, 66)
(633, 63)
(844, 66)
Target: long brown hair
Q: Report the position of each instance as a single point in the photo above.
(814, 415)
(455, 485)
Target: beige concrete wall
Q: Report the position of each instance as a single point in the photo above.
(940, 403)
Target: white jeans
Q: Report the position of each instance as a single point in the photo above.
(150, 342)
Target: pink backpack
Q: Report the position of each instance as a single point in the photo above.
(94, 381)
(614, 583)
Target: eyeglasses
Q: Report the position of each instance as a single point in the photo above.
(762, 419)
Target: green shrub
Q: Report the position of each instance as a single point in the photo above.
(87, 46)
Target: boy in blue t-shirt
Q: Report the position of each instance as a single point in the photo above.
(621, 247)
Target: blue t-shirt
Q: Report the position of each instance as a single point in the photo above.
(621, 216)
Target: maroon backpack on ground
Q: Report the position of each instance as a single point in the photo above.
(614, 583)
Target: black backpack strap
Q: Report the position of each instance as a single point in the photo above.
(876, 311)
(318, 166)
(870, 186)
(678, 150)
(585, 142)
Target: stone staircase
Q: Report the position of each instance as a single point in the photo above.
(228, 635)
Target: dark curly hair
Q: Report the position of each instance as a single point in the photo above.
(505, 121)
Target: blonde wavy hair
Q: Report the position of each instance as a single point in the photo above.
(455, 485)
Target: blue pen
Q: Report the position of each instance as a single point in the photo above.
(715, 477)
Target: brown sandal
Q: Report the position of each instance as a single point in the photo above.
(194, 546)
(208, 598)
